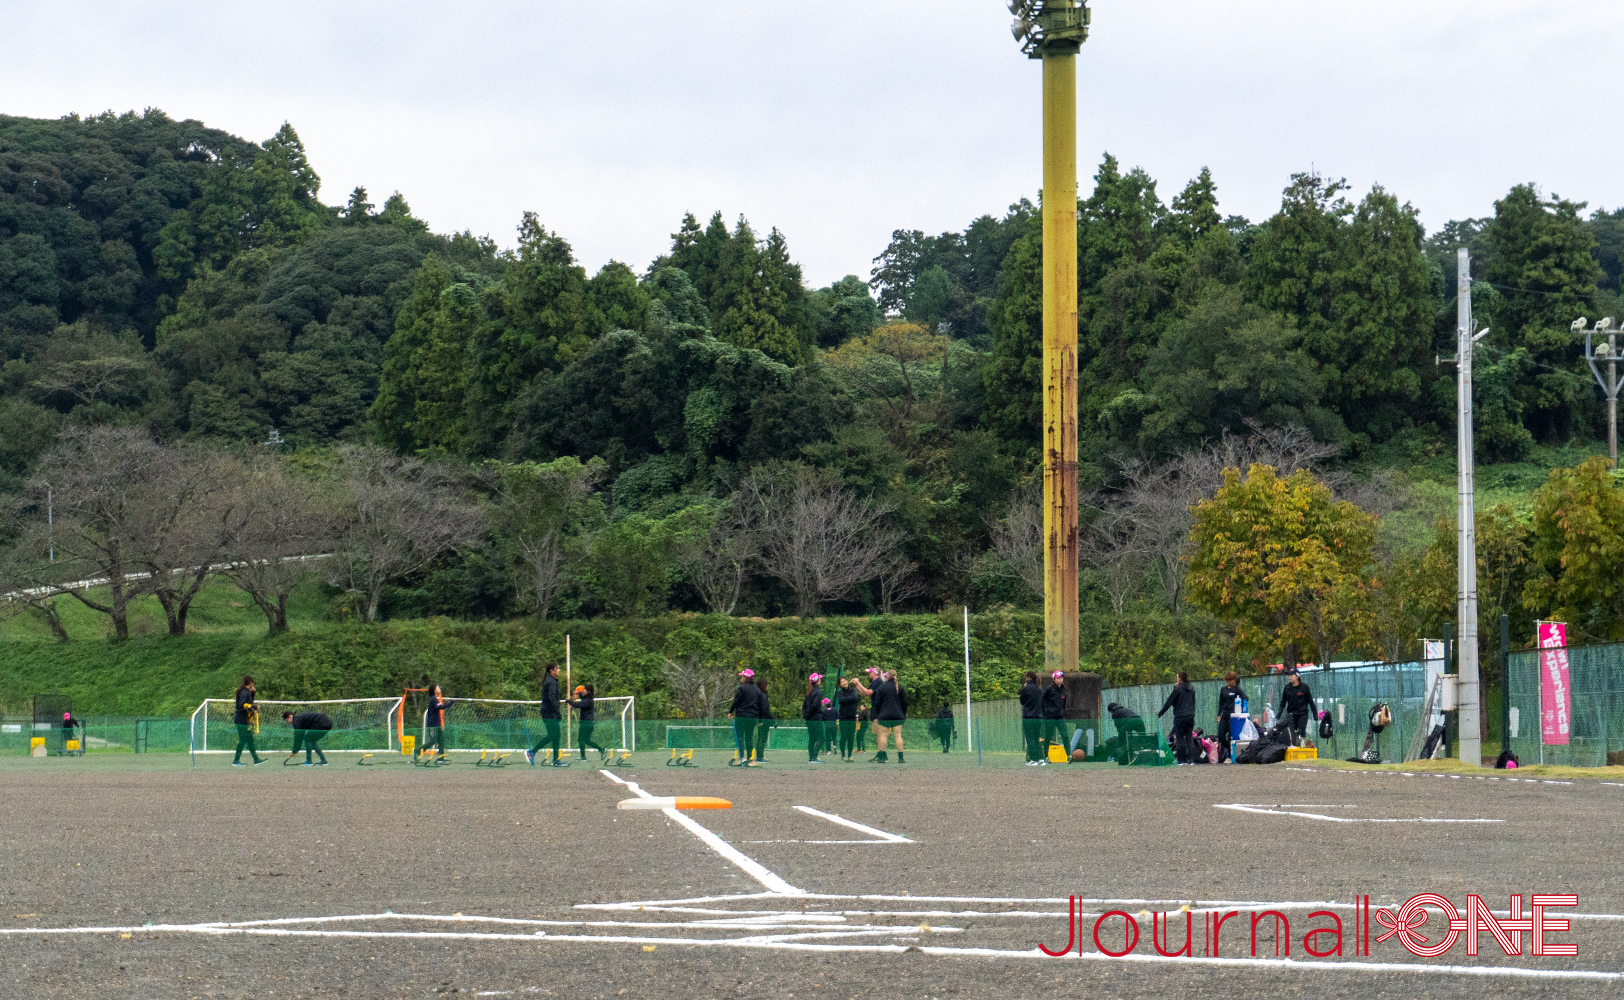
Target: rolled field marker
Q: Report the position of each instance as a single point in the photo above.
(675, 802)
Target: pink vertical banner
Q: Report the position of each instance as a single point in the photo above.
(1554, 697)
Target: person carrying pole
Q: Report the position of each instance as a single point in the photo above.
(308, 729)
(812, 715)
(743, 713)
(246, 719)
(551, 718)
(846, 698)
(434, 723)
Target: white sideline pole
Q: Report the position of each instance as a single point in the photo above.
(968, 725)
(567, 689)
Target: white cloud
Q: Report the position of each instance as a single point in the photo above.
(840, 121)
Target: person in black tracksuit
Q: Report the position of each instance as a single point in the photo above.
(1054, 711)
(766, 723)
(308, 729)
(745, 713)
(830, 717)
(1297, 705)
(434, 722)
(846, 699)
(243, 718)
(812, 715)
(1229, 697)
(942, 726)
(1032, 718)
(890, 712)
(1182, 701)
(587, 706)
(552, 718)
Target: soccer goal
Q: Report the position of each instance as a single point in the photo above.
(492, 724)
(360, 725)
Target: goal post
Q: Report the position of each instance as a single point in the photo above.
(360, 725)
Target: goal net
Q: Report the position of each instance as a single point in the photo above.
(723, 738)
(363, 725)
(490, 724)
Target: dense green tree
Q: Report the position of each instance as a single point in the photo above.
(845, 310)
(615, 293)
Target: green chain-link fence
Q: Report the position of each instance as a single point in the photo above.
(1596, 715)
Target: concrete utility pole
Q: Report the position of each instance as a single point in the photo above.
(1054, 31)
(1607, 354)
(1470, 741)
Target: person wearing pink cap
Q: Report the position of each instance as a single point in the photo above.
(812, 715)
(744, 711)
(1054, 712)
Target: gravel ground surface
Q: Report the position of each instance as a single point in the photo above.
(545, 862)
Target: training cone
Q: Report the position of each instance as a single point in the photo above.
(675, 802)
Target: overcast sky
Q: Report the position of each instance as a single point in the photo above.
(839, 121)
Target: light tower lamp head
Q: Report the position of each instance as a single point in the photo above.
(1050, 27)
(1579, 325)
(1604, 325)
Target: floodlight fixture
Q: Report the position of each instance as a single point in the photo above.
(1579, 325)
(1604, 324)
(1050, 27)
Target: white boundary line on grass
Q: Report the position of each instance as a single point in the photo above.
(751, 867)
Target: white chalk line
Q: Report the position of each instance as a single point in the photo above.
(749, 865)
(1242, 807)
(1429, 774)
(883, 837)
(805, 942)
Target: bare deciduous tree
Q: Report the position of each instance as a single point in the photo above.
(816, 536)
(700, 690)
(186, 522)
(1017, 537)
(397, 515)
(718, 559)
(1112, 547)
(279, 522)
(104, 483)
(899, 581)
(537, 510)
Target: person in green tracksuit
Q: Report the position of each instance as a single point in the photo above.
(246, 719)
(552, 719)
(745, 714)
(308, 729)
(812, 715)
(434, 722)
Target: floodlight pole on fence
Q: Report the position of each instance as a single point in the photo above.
(1054, 31)
(968, 721)
(1470, 748)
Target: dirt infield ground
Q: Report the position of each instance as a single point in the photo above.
(529, 882)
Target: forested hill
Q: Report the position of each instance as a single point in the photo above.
(167, 275)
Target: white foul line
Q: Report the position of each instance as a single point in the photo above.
(889, 838)
(1243, 807)
(751, 867)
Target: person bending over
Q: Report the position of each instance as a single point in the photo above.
(551, 718)
(308, 729)
(246, 719)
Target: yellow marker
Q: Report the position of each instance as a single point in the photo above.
(675, 802)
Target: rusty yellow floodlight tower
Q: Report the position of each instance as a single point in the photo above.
(1054, 31)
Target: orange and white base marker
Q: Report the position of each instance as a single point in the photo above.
(675, 802)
